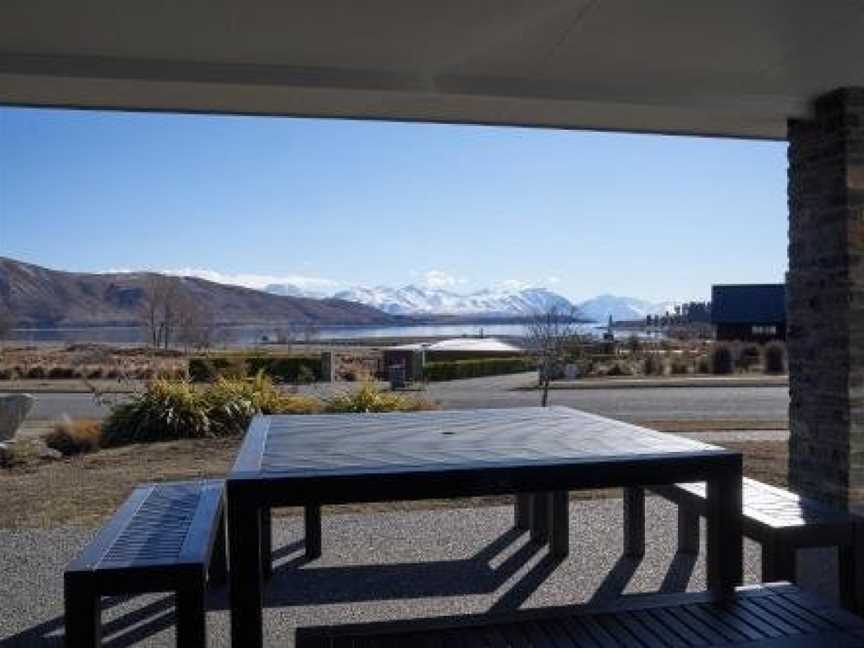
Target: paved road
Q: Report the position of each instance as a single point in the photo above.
(691, 403)
(757, 403)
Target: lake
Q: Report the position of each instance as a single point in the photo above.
(248, 335)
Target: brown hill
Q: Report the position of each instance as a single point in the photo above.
(38, 296)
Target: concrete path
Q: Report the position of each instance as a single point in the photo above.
(383, 566)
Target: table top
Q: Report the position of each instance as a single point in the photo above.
(318, 446)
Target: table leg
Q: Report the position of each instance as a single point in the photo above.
(267, 542)
(559, 519)
(312, 519)
(540, 518)
(725, 545)
(522, 511)
(244, 539)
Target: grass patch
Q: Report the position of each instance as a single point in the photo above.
(75, 437)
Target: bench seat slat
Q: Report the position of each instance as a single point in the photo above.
(768, 617)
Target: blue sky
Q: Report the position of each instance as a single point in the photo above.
(331, 203)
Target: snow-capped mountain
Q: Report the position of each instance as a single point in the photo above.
(291, 290)
(622, 308)
(417, 300)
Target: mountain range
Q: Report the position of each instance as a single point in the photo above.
(39, 296)
(416, 300)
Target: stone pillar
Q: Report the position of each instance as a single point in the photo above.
(825, 300)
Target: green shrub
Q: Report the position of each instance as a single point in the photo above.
(208, 369)
(775, 358)
(437, 371)
(748, 356)
(722, 360)
(288, 369)
(63, 373)
(703, 364)
(36, 372)
(6, 373)
(368, 398)
(75, 437)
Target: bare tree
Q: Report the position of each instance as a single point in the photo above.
(159, 309)
(552, 337)
(7, 321)
(195, 323)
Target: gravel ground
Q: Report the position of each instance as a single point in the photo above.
(383, 566)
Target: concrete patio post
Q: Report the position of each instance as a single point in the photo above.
(825, 300)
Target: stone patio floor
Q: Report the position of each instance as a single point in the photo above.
(384, 566)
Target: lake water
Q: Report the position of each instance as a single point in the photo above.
(248, 335)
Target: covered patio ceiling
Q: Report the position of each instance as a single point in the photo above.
(737, 68)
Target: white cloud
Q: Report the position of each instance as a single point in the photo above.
(553, 280)
(513, 284)
(440, 279)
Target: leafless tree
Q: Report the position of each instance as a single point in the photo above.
(159, 309)
(7, 321)
(195, 323)
(552, 337)
(310, 332)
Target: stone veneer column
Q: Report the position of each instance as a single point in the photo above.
(825, 300)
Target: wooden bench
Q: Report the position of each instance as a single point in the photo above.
(165, 537)
(782, 522)
(762, 616)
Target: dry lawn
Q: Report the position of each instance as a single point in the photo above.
(83, 490)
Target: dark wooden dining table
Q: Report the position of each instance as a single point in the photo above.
(373, 457)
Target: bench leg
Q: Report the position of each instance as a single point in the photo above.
(540, 518)
(82, 614)
(634, 521)
(192, 615)
(218, 574)
(266, 543)
(559, 521)
(312, 519)
(850, 564)
(778, 562)
(522, 512)
(688, 531)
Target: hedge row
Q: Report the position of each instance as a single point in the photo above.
(435, 371)
(290, 369)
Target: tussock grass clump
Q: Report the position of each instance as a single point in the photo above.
(177, 409)
(75, 437)
(165, 410)
(369, 398)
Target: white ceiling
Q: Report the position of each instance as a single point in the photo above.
(730, 67)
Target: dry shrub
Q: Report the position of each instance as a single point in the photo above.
(679, 364)
(369, 398)
(75, 437)
(653, 365)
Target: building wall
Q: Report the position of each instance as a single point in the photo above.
(747, 332)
